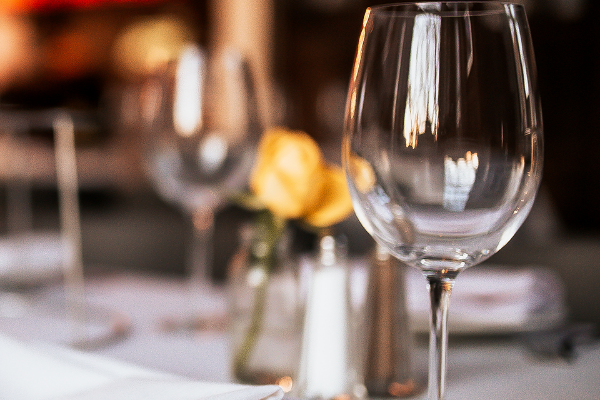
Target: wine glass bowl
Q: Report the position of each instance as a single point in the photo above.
(443, 139)
(453, 211)
(203, 128)
(455, 146)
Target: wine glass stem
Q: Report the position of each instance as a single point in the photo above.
(201, 255)
(440, 289)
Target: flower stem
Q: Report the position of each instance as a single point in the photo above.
(254, 328)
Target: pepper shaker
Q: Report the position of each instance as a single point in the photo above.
(388, 370)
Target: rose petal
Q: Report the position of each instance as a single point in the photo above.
(335, 203)
(287, 174)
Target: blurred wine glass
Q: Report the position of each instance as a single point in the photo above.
(34, 261)
(201, 128)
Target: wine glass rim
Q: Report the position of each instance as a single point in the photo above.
(445, 8)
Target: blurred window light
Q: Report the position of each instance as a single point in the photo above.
(49, 5)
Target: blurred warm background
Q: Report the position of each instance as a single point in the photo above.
(85, 55)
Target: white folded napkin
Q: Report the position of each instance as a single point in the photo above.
(486, 299)
(36, 372)
(493, 299)
(163, 389)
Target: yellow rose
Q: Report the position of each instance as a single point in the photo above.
(287, 177)
(293, 181)
(335, 203)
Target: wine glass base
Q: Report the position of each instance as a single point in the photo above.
(36, 318)
(396, 389)
(204, 311)
(194, 323)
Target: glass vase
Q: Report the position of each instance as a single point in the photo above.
(267, 306)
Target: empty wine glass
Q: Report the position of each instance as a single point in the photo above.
(202, 128)
(443, 140)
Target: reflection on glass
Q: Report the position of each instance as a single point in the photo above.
(459, 177)
(187, 107)
(423, 79)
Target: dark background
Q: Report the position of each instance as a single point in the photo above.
(313, 52)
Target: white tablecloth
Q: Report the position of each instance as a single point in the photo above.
(489, 369)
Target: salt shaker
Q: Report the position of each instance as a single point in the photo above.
(329, 368)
